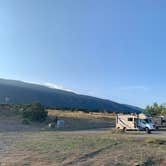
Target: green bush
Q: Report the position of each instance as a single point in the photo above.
(26, 121)
(35, 112)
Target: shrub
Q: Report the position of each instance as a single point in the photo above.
(155, 141)
(26, 121)
(35, 112)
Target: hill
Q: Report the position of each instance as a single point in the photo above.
(18, 92)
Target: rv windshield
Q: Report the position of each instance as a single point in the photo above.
(148, 120)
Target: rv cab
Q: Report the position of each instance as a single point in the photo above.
(146, 123)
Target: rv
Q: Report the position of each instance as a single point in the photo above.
(160, 122)
(135, 122)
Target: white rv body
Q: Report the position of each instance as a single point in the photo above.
(135, 122)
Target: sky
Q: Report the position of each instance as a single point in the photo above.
(112, 49)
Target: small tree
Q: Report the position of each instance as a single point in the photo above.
(156, 110)
(163, 111)
(35, 112)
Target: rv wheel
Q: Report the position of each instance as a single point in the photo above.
(124, 129)
(147, 130)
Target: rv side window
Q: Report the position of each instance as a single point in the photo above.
(130, 119)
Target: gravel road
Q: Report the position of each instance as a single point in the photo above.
(155, 134)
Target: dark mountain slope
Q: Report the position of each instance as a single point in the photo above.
(21, 93)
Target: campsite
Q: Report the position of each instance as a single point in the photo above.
(86, 139)
(82, 83)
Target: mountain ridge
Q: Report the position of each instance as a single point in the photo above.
(20, 92)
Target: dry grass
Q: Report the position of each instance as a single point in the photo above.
(81, 120)
(80, 114)
(72, 148)
(155, 141)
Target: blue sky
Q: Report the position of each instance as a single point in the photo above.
(109, 49)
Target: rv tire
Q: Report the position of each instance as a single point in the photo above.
(147, 130)
(124, 129)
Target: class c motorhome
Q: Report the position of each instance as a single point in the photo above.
(135, 122)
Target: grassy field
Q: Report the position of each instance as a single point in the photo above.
(81, 120)
(34, 145)
(12, 121)
(83, 149)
